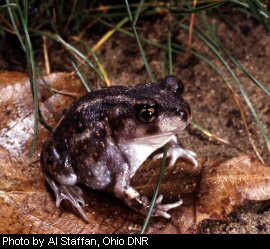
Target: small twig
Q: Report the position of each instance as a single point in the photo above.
(208, 134)
(71, 15)
(191, 25)
(8, 24)
(109, 34)
(251, 140)
(46, 57)
(90, 24)
(105, 8)
(73, 95)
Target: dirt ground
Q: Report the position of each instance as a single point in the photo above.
(211, 102)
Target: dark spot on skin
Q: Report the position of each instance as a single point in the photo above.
(96, 156)
(53, 167)
(252, 159)
(8, 112)
(48, 161)
(137, 205)
(128, 197)
(80, 127)
(153, 129)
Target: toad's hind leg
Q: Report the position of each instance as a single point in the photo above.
(138, 202)
(71, 193)
(62, 180)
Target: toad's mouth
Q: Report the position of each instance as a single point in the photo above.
(158, 138)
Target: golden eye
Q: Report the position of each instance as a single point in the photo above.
(146, 113)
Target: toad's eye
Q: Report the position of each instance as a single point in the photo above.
(146, 113)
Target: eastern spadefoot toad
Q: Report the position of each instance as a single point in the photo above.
(105, 136)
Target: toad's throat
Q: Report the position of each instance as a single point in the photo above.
(139, 149)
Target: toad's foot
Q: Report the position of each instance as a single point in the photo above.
(161, 209)
(71, 193)
(141, 204)
(176, 152)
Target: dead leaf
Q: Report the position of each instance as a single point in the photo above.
(27, 205)
(224, 187)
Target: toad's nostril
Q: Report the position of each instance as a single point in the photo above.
(183, 114)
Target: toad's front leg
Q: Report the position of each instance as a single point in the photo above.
(175, 151)
(138, 202)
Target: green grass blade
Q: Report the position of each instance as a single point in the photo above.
(74, 5)
(164, 47)
(89, 50)
(239, 84)
(139, 44)
(79, 73)
(197, 9)
(170, 52)
(70, 48)
(13, 17)
(80, 54)
(215, 39)
(25, 11)
(263, 11)
(32, 75)
(164, 64)
(138, 11)
(154, 198)
(10, 5)
(244, 70)
(255, 7)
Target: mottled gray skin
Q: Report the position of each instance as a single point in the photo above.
(103, 139)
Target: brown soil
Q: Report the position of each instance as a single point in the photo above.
(211, 102)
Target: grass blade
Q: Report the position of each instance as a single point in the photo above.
(239, 84)
(79, 73)
(9, 5)
(215, 39)
(244, 70)
(109, 34)
(255, 7)
(139, 44)
(197, 9)
(31, 65)
(13, 17)
(170, 52)
(101, 68)
(138, 11)
(263, 11)
(162, 170)
(70, 48)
